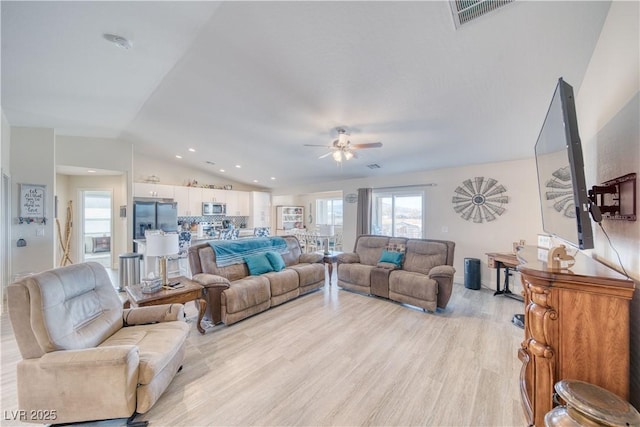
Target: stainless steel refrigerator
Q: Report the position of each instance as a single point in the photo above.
(150, 215)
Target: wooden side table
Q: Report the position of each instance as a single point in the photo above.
(192, 291)
(329, 258)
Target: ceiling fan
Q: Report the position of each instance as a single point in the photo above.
(342, 148)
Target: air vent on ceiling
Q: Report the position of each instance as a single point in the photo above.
(373, 166)
(465, 11)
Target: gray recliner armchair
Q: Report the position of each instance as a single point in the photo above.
(84, 356)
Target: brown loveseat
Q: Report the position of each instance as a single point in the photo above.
(424, 278)
(232, 294)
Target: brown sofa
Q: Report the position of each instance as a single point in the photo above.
(232, 294)
(424, 279)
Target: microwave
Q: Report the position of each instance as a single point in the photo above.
(214, 208)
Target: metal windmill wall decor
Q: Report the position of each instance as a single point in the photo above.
(480, 199)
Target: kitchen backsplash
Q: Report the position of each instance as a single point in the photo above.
(237, 221)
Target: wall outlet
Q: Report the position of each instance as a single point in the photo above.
(544, 241)
(40, 232)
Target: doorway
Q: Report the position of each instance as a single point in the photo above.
(97, 226)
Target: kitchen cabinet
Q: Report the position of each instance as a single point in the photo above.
(244, 203)
(238, 203)
(288, 218)
(156, 191)
(189, 200)
(195, 201)
(260, 209)
(181, 197)
(211, 195)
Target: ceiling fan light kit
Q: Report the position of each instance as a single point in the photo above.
(342, 149)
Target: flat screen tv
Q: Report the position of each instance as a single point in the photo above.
(563, 192)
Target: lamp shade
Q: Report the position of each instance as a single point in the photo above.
(162, 244)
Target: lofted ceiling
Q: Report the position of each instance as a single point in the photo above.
(249, 83)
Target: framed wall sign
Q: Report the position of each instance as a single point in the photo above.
(32, 202)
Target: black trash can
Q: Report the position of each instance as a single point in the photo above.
(472, 273)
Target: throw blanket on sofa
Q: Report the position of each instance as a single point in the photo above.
(230, 252)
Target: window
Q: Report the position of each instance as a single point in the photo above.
(97, 213)
(397, 213)
(96, 226)
(329, 212)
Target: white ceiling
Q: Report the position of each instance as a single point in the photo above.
(250, 83)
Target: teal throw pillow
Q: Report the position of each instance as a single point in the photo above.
(276, 260)
(392, 257)
(258, 264)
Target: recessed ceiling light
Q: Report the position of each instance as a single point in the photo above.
(178, 156)
(193, 150)
(273, 177)
(221, 170)
(238, 166)
(91, 171)
(119, 41)
(255, 180)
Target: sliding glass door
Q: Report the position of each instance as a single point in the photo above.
(398, 214)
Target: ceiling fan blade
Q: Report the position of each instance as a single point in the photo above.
(316, 145)
(368, 145)
(325, 155)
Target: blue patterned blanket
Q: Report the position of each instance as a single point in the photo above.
(229, 252)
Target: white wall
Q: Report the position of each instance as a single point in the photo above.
(608, 109)
(5, 206)
(5, 147)
(175, 173)
(96, 153)
(32, 162)
(607, 105)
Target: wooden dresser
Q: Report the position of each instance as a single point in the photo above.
(576, 327)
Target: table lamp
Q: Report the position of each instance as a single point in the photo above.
(162, 245)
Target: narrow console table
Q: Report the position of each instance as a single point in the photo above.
(576, 327)
(499, 261)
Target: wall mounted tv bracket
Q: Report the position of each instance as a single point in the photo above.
(616, 198)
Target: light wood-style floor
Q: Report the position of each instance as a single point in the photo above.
(336, 358)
